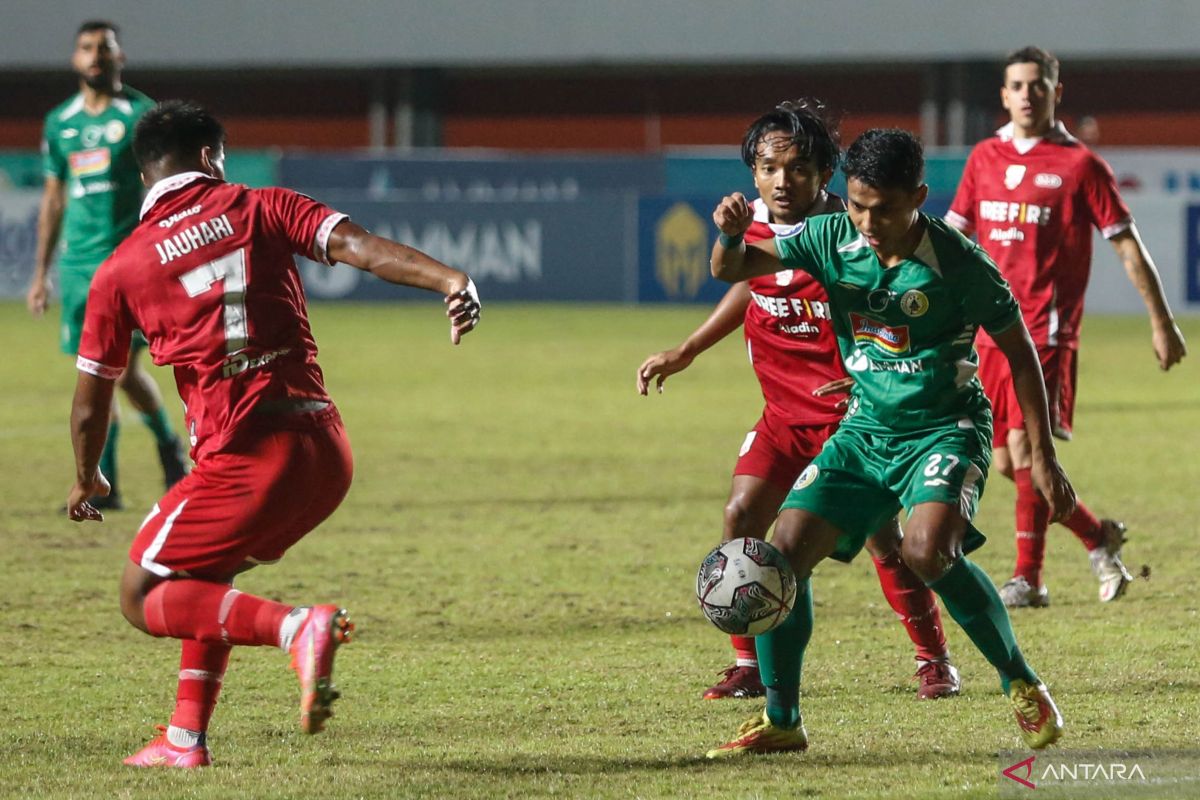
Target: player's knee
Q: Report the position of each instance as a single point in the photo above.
(1002, 462)
(132, 608)
(741, 519)
(925, 557)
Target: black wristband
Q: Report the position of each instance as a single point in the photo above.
(729, 242)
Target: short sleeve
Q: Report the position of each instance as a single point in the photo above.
(800, 247)
(53, 163)
(107, 328)
(304, 222)
(1102, 198)
(962, 210)
(986, 298)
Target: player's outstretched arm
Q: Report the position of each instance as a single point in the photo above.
(732, 259)
(1166, 337)
(89, 430)
(50, 216)
(1047, 474)
(725, 319)
(400, 264)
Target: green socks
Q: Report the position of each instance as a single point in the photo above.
(780, 656)
(975, 604)
(159, 425)
(108, 456)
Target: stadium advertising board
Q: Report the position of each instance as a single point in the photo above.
(18, 239)
(534, 250)
(447, 179)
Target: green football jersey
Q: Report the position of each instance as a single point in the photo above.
(907, 332)
(93, 156)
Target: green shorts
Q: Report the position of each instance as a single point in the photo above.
(74, 283)
(860, 480)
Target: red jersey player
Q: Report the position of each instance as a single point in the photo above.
(792, 152)
(1032, 194)
(209, 277)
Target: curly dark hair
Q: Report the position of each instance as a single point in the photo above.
(807, 122)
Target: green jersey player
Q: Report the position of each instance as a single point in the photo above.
(90, 202)
(907, 294)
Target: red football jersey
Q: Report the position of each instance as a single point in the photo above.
(789, 332)
(1033, 209)
(208, 277)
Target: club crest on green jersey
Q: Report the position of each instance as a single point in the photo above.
(914, 303)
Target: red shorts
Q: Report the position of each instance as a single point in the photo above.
(778, 452)
(252, 502)
(1059, 373)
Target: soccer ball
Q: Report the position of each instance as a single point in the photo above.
(746, 587)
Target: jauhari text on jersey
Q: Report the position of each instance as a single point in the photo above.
(193, 238)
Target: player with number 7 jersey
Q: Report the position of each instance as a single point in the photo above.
(209, 276)
(219, 298)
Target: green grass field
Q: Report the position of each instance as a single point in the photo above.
(519, 551)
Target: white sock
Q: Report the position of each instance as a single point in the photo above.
(182, 737)
(291, 626)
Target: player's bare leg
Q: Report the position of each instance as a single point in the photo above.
(210, 617)
(1103, 538)
(751, 509)
(145, 397)
(932, 547)
(917, 610)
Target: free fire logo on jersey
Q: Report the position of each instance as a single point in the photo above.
(869, 332)
(681, 251)
(1017, 214)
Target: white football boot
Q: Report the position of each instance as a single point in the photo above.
(1106, 562)
(1018, 593)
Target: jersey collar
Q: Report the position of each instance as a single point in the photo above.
(1057, 133)
(168, 184)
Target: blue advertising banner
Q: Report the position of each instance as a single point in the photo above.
(489, 178)
(675, 236)
(535, 250)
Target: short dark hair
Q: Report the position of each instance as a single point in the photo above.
(806, 122)
(886, 158)
(97, 25)
(1045, 60)
(175, 128)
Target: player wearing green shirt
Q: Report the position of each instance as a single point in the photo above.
(907, 294)
(91, 201)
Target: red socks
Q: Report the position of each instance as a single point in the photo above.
(1086, 527)
(201, 669)
(914, 603)
(747, 656)
(1033, 518)
(212, 613)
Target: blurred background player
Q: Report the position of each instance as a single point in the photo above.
(792, 152)
(907, 294)
(90, 200)
(1031, 194)
(209, 276)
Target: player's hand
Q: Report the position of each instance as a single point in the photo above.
(38, 297)
(1055, 488)
(661, 365)
(78, 507)
(733, 215)
(1169, 346)
(841, 385)
(463, 308)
